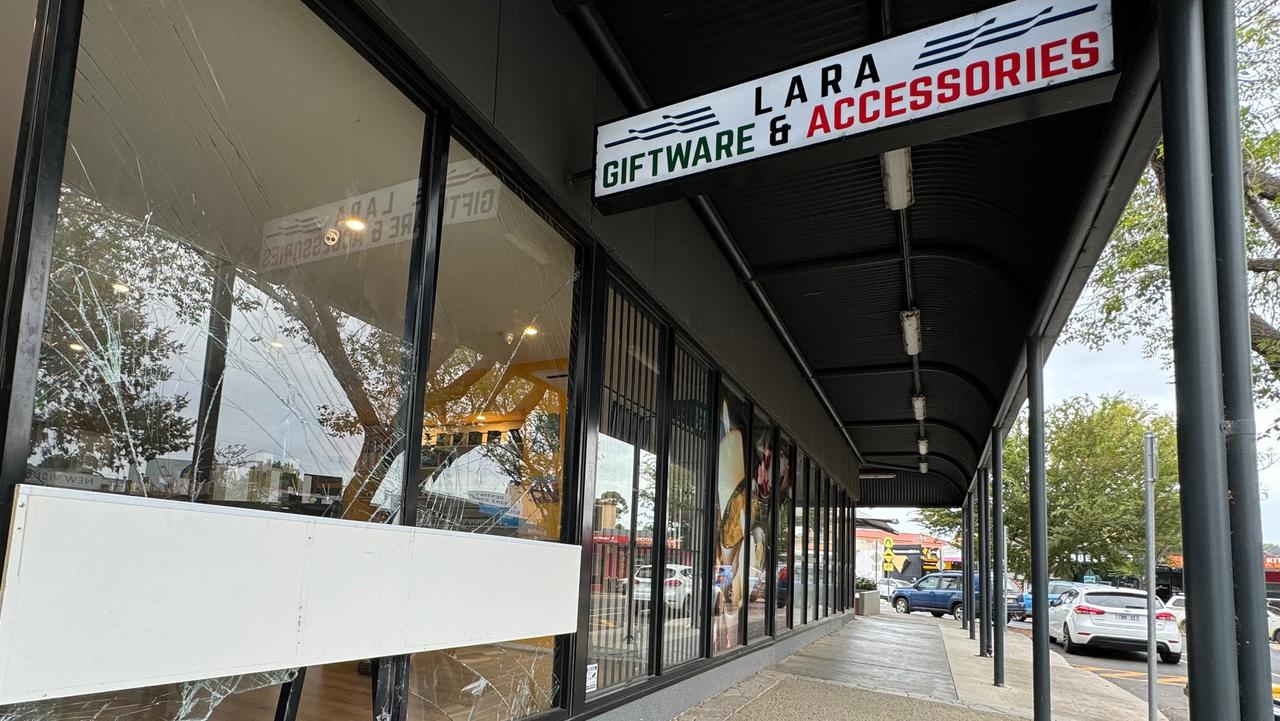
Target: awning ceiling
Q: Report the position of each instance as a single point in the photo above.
(994, 212)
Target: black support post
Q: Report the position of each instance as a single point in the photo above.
(1039, 509)
(1237, 372)
(998, 611)
(969, 607)
(984, 565)
(1202, 465)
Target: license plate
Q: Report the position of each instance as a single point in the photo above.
(1128, 617)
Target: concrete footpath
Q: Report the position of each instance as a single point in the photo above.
(891, 668)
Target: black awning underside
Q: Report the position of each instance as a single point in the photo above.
(985, 238)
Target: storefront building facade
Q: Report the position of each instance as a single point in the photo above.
(329, 394)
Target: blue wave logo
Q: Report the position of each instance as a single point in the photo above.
(687, 122)
(940, 50)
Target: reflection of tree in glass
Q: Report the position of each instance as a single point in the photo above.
(532, 466)
(100, 402)
(109, 411)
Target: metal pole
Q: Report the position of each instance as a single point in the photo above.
(1202, 465)
(1149, 458)
(984, 565)
(967, 550)
(1039, 509)
(1253, 654)
(999, 614)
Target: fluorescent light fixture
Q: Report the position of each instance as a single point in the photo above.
(918, 407)
(924, 467)
(531, 330)
(922, 445)
(480, 417)
(277, 344)
(895, 168)
(911, 330)
(354, 224)
(876, 476)
(120, 288)
(76, 347)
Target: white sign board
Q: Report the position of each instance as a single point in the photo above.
(385, 215)
(1005, 51)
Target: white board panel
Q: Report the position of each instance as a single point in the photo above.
(103, 592)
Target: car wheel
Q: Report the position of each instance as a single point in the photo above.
(902, 606)
(1171, 658)
(936, 614)
(958, 611)
(1067, 644)
(1275, 637)
(686, 609)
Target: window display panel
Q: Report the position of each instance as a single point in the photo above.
(811, 543)
(786, 516)
(820, 540)
(760, 553)
(493, 422)
(225, 320)
(622, 570)
(728, 584)
(685, 578)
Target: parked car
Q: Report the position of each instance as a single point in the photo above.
(940, 593)
(937, 593)
(1273, 625)
(886, 586)
(1177, 605)
(1056, 587)
(1113, 618)
(677, 589)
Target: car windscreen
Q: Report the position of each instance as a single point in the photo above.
(1118, 600)
(643, 571)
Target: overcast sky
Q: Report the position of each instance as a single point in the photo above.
(1074, 370)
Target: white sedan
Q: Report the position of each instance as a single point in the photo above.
(1111, 618)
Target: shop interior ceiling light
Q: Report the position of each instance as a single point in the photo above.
(924, 467)
(895, 167)
(923, 446)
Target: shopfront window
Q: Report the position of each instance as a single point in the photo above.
(786, 515)
(729, 584)
(761, 551)
(622, 572)
(245, 697)
(494, 419)
(225, 319)
(690, 446)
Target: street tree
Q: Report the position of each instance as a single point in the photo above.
(1128, 294)
(1094, 488)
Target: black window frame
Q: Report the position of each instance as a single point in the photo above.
(28, 236)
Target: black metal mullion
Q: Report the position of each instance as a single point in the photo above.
(658, 606)
(593, 343)
(29, 232)
(290, 697)
(710, 483)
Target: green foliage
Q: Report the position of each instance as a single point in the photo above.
(864, 584)
(1128, 295)
(1094, 488)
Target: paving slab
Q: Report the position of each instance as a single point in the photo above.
(910, 667)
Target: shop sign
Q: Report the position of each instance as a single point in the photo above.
(385, 217)
(1006, 51)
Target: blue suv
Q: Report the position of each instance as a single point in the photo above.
(937, 593)
(940, 593)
